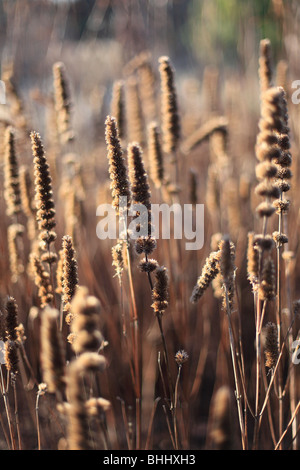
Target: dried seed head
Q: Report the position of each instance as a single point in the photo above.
(267, 189)
(279, 238)
(138, 176)
(117, 107)
(62, 98)
(78, 423)
(145, 245)
(12, 193)
(11, 356)
(181, 357)
(265, 65)
(252, 260)
(266, 170)
(118, 260)
(11, 317)
(265, 209)
(42, 281)
(227, 271)
(209, 272)
(148, 265)
(14, 232)
(171, 126)
(281, 206)
(43, 189)
(267, 290)
(70, 273)
(160, 292)
(135, 120)
(271, 345)
(227, 256)
(53, 355)
(155, 155)
(264, 243)
(117, 169)
(85, 324)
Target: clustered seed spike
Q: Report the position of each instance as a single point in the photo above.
(118, 259)
(227, 270)
(209, 272)
(141, 195)
(135, 121)
(12, 193)
(271, 345)
(269, 151)
(252, 260)
(42, 281)
(69, 273)
(45, 207)
(11, 335)
(62, 102)
(52, 352)
(117, 108)
(155, 155)
(117, 169)
(78, 430)
(267, 289)
(160, 291)
(171, 126)
(265, 65)
(85, 322)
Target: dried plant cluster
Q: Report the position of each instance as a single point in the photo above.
(139, 343)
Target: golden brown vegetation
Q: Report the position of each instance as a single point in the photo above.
(104, 347)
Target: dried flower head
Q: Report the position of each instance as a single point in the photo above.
(209, 272)
(271, 345)
(69, 274)
(265, 65)
(181, 357)
(155, 155)
(117, 106)
(85, 322)
(171, 126)
(160, 292)
(118, 259)
(62, 99)
(53, 354)
(267, 289)
(43, 190)
(252, 259)
(117, 169)
(12, 193)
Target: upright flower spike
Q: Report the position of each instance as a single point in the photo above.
(12, 193)
(117, 168)
(135, 120)
(160, 291)
(62, 102)
(265, 65)
(53, 355)
(155, 155)
(43, 191)
(117, 108)
(209, 272)
(69, 274)
(171, 126)
(268, 149)
(140, 195)
(271, 345)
